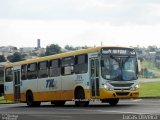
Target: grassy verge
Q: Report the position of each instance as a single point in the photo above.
(3, 101)
(151, 89)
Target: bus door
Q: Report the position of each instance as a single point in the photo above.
(94, 77)
(17, 85)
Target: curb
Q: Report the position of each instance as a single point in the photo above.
(156, 97)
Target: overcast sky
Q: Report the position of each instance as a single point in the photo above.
(80, 22)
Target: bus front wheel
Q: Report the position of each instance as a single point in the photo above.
(80, 98)
(113, 101)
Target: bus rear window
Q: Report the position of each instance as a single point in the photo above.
(9, 74)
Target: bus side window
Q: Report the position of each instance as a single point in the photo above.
(32, 71)
(81, 64)
(9, 74)
(67, 66)
(23, 72)
(55, 69)
(43, 69)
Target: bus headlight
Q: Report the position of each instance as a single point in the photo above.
(108, 87)
(135, 87)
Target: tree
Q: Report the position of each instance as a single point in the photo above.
(53, 49)
(70, 48)
(138, 50)
(2, 58)
(15, 57)
(152, 48)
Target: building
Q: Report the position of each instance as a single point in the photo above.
(8, 50)
(38, 43)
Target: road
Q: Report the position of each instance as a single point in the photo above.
(126, 109)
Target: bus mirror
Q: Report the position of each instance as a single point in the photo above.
(102, 63)
(137, 70)
(138, 66)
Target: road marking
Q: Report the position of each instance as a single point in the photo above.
(105, 111)
(136, 100)
(57, 116)
(120, 112)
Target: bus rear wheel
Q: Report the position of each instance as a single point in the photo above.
(80, 98)
(30, 100)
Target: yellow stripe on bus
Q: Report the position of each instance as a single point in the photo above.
(69, 95)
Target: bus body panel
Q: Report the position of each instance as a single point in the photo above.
(8, 88)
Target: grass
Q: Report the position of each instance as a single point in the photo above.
(3, 101)
(151, 89)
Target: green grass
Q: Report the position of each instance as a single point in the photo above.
(3, 101)
(151, 89)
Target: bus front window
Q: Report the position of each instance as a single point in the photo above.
(118, 68)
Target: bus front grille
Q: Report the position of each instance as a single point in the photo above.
(122, 93)
(121, 85)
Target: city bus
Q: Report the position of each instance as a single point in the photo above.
(101, 73)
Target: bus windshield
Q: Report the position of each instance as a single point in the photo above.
(118, 68)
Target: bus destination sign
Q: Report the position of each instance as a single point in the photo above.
(118, 51)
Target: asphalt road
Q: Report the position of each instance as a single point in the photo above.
(138, 109)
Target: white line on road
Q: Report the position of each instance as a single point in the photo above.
(120, 112)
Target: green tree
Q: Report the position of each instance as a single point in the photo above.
(152, 48)
(70, 48)
(2, 58)
(15, 57)
(53, 49)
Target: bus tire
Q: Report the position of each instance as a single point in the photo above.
(113, 101)
(30, 100)
(80, 98)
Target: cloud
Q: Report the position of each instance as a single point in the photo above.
(77, 33)
(80, 22)
(114, 12)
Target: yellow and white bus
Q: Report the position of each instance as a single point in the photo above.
(104, 73)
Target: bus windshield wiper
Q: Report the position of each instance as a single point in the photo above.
(117, 60)
(125, 60)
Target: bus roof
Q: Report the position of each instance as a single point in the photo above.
(60, 55)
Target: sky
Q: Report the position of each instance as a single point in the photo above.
(80, 22)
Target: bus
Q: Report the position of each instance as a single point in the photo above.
(101, 73)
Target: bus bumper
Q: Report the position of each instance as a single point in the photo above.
(104, 94)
